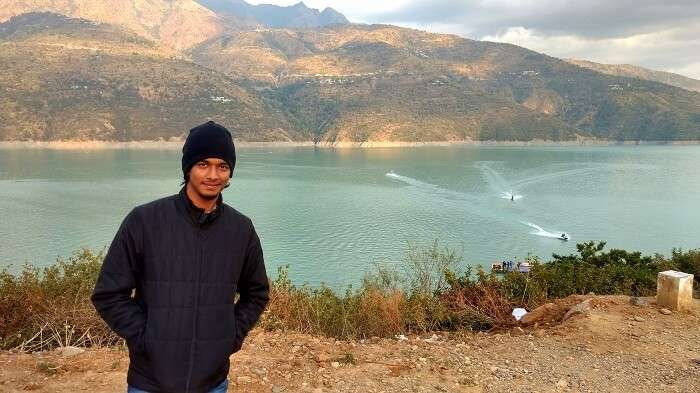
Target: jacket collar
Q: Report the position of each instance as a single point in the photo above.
(196, 214)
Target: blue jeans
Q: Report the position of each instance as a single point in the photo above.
(221, 388)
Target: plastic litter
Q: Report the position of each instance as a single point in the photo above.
(518, 313)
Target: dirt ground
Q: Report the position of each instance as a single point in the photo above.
(616, 347)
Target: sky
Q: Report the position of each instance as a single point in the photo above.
(657, 34)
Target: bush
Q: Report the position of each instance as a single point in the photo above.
(47, 307)
(42, 308)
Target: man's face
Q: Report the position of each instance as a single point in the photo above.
(209, 176)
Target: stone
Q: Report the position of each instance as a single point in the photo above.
(638, 319)
(582, 308)
(562, 385)
(69, 351)
(323, 357)
(674, 290)
(665, 311)
(638, 301)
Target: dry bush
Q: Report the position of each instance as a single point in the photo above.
(49, 307)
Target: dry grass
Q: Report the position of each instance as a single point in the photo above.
(50, 307)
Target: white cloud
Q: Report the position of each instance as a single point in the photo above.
(667, 50)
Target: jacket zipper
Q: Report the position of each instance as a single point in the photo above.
(195, 312)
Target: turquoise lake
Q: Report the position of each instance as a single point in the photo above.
(332, 215)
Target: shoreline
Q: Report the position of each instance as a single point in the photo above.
(177, 144)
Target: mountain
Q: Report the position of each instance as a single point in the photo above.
(178, 24)
(68, 78)
(73, 78)
(378, 82)
(273, 16)
(633, 71)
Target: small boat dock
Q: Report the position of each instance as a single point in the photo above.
(507, 266)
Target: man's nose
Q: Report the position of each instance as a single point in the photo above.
(211, 172)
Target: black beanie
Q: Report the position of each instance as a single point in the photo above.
(208, 140)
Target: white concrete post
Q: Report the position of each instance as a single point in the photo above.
(674, 290)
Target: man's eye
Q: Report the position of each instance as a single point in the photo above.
(202, 164)
(223, 166)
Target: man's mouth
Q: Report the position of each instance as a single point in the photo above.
(211, 185)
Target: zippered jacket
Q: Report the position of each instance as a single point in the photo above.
(168, 286)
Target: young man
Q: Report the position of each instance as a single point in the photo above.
(185, 257)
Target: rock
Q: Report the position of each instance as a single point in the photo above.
(323, 357)
(562, 385)
(433, 339)
(665, 311)
(638, 319)
(335, 364)
(69, 351)
(638, 301)
(696, 361)
(243, 379)
(582, 308)
(32, 386)
(277, 389)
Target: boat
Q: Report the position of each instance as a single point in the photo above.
(563, 237)
(524, 267)
(497, 267)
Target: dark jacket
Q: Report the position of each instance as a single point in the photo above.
(182, 323)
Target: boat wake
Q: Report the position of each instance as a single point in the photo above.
(410, 181)
(511, 195)
(431, 188)
(533, 180)
(539, 231)
(497, 182)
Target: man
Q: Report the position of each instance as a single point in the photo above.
(185, 257)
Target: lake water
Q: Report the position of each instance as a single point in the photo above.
(334, 214)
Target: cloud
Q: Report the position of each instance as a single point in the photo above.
(674, 50)
(588, 18)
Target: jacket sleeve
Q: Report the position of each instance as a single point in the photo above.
(112, 294)
(253, 288)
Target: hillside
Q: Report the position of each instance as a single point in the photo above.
(100, 82)
(380, 82)
(178, 24)
(617, 348)
(633, 71)
(134, 78)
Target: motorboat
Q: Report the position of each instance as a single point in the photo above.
(524, 267)
(563, 237)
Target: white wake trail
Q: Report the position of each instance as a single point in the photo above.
(539, 231)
